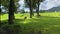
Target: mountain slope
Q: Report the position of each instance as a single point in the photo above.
(55, 9)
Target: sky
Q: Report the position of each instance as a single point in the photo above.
(46, 5)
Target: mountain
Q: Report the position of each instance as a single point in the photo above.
(54, 9)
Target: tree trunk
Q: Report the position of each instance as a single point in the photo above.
(37, 10)
(11, 12)
(0, 10)
(31, 13)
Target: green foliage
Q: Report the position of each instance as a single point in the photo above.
(5, 3)
(22, 11)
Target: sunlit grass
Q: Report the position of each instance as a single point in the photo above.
(53, 14)
(19, 16)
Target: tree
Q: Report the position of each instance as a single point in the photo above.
(33, 4)
(11, 12)
(29, 3)
(0, 9)
(38, 4)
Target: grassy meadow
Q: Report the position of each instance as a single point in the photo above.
(48, 23)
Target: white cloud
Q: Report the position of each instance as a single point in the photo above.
(21, 2)
(49, 4)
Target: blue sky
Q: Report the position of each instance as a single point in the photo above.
(47, 4)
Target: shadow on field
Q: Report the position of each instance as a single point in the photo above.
(15, 28)
(3, 22)
(38, 25)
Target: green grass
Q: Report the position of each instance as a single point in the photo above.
(48, 23)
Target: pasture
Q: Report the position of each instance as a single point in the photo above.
(48, 23)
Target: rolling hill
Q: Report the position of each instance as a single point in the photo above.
(54, 9)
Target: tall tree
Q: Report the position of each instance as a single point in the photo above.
(29, 3)
(37, 10)
(38, 5)
(11, 12)
(33, 4)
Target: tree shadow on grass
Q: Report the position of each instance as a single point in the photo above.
(34, 25)
(15, 28)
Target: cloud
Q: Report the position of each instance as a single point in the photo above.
(21, 2)
(47, 4)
